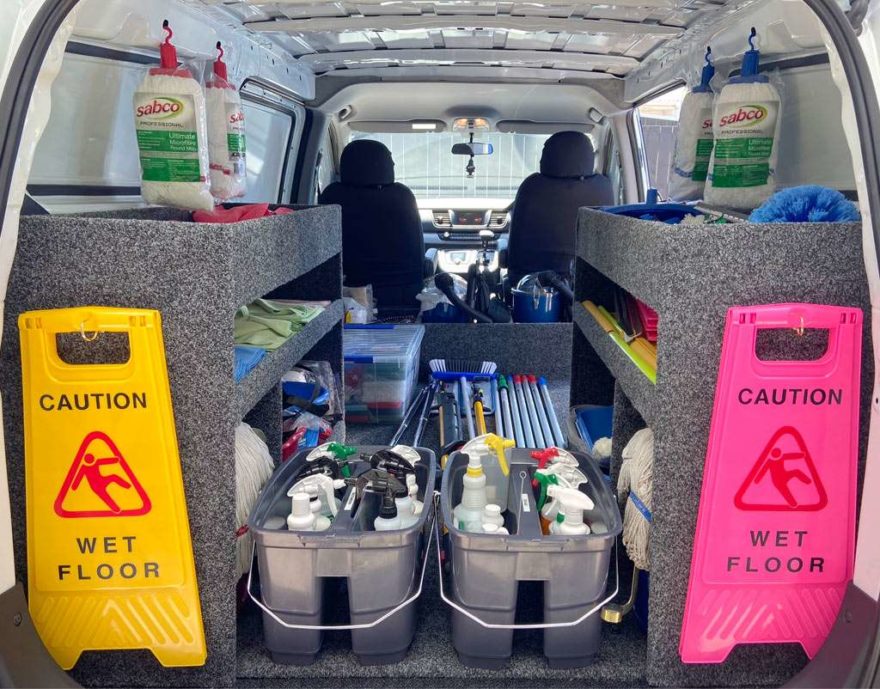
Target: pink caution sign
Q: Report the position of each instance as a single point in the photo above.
(776, 529)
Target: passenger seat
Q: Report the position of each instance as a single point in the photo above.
(382, 242)
(544, 223)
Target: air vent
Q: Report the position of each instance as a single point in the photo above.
(442, 219)
(498, 219)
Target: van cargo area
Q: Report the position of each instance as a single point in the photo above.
(474, 343)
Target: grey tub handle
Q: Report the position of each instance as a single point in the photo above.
(342, 627)
(544, 625)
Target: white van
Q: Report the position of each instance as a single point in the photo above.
(550, 186)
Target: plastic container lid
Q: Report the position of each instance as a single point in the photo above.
(366, 344)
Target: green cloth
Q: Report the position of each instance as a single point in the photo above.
(269, 324)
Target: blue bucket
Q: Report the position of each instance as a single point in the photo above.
(543, 306)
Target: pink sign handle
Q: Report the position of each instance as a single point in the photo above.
(775, 535)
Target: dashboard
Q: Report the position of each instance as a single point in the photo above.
(454, 231)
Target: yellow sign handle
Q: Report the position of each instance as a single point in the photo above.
(90, 322)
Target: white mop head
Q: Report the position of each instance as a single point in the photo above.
(253, 467)
(637, 480)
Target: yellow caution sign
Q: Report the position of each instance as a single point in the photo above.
(110, 563)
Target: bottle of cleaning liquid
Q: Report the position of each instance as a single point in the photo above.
(388, 518)
(492, 449)
(572, 505)
(172, 134)
(492, 515)
(412, 487)
(694, 139)
(322, 523)
(468, 514)
(742, 173)
(405, 510)
(301, 517)
(495, 530)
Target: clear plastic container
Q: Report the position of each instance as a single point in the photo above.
(381, 370)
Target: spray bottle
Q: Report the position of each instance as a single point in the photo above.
(495, 530)
(301, 517)
(694, 140)
(468, 514)
(492, 515)
(324, 489)
(389, 518)
(491, 449)
(572, 505)
(412, 487)
(742, 173)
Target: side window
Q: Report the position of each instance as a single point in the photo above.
(659, 121)
(269, 142)
(326, 173)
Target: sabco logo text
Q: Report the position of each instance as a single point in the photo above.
(160, 108)
(746, 116)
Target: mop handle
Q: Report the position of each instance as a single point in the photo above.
(496, 405)
(558, 438)
(542, 413)
(466, 403)
(533, 413)
(426, 412)
(523, 413)
(509, 404)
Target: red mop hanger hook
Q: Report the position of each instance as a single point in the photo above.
(220, 48)
(168, 32)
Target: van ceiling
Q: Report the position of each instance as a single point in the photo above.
(592, 37)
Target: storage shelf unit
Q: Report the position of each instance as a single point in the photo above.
(691, 275)
(196, 275)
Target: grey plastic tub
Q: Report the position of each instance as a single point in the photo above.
(383, 571)
(486, 570)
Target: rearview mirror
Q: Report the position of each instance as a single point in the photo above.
(473, 148)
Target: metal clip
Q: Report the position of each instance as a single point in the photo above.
(90, 337)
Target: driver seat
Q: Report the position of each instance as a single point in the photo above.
(543, 229)
(382, 241)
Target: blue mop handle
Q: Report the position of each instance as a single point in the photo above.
(558, 437)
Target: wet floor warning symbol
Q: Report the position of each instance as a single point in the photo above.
(100, 483)
(784, 478)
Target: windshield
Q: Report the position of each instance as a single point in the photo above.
(423, 161)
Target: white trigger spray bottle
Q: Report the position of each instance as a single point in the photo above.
(301, 517)
(412, 487)
(572, 505)
(468, 514)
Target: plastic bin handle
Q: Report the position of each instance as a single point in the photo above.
(544, 625)
(342, 627)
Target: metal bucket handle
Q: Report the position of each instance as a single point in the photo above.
(544, 625)
(342, 627)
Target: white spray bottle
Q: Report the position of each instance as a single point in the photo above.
(495, 530)
(492, 515)
(468, 514)
(301, 517)
(412, 486)
(324, 488)
(572, 505)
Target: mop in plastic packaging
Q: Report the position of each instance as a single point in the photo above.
(695, 139)
(226, 138)
(746, 126)
(172, 134)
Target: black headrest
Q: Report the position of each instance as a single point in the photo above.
(366, 163)
(567, 154)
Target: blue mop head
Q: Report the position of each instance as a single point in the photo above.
(809, 203)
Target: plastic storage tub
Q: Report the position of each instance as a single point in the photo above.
(486, 570)
(381, 370)
(382, 571)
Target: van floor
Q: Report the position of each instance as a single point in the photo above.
(432, 660)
